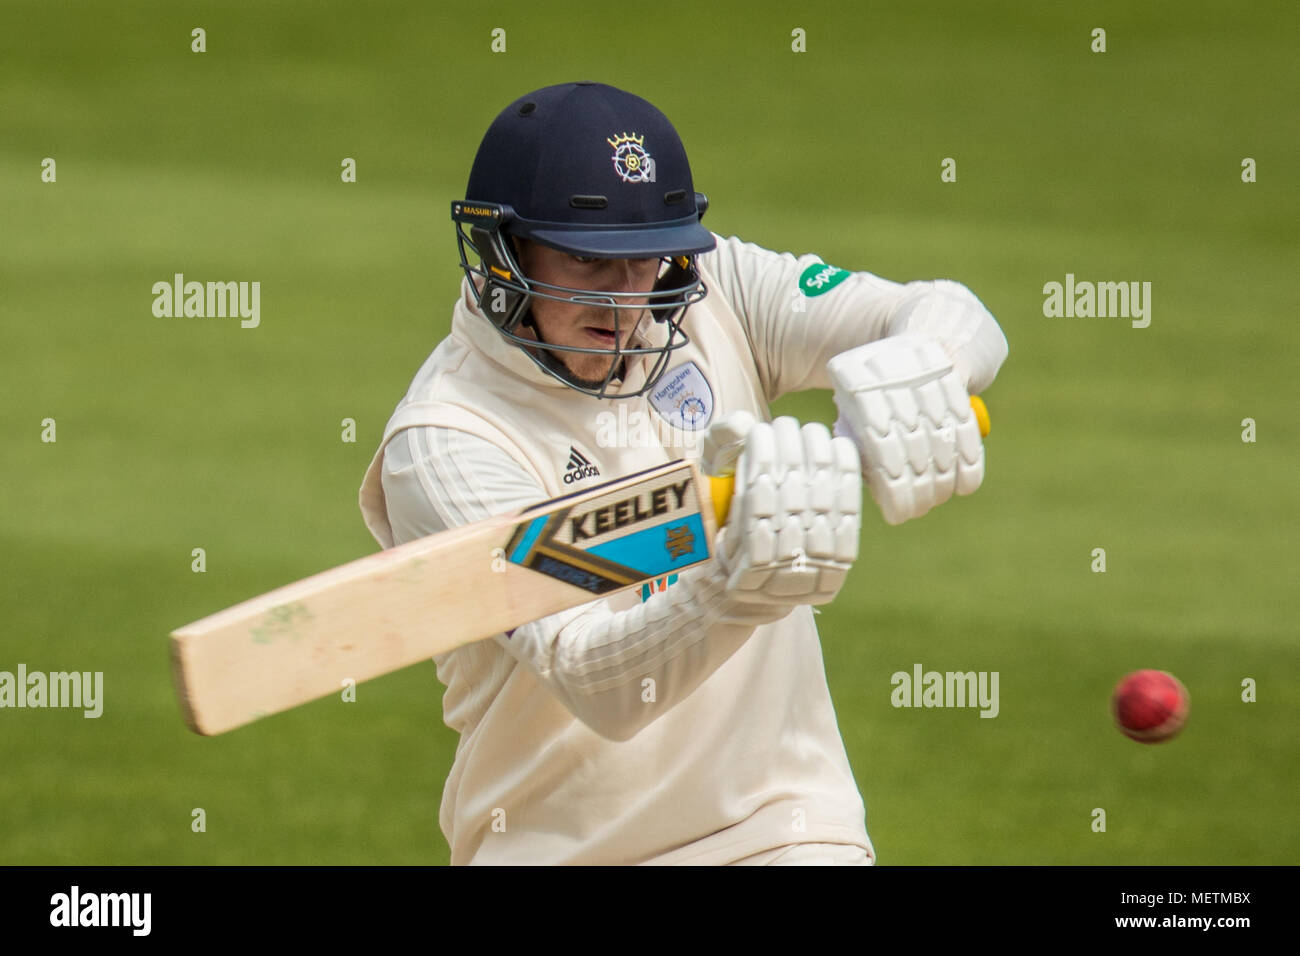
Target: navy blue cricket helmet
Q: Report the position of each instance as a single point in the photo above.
(596, 172)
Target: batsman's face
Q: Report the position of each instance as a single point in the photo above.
(586, 326)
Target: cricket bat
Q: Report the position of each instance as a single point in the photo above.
(401, 606)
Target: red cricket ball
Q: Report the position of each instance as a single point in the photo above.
(1150, 706)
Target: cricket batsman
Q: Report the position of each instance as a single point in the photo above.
(600, 330)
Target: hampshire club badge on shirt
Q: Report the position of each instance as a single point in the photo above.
(684, 398)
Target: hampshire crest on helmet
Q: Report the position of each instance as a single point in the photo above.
(632, 163)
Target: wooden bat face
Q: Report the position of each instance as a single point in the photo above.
(404, 605)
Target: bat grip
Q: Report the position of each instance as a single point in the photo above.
(720, 490)
(981, 415)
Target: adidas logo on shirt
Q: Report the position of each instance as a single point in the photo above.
(578, 467)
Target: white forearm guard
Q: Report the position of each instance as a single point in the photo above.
(907, 410)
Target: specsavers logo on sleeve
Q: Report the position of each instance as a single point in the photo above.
(819, 278)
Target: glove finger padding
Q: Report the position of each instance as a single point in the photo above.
(906, 410)
(795, 517)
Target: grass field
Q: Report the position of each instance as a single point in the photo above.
(176, 434)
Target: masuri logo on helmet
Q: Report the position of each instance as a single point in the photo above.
(543, 173)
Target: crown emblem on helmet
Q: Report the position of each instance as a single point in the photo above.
(631, 161)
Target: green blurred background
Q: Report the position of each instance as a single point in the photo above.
(182, 433)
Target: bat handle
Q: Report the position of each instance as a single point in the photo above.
(981, 415)
(720, 490)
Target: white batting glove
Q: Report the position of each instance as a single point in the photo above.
(908, 412)
(951, 313)
(792, 532)
(724, 441)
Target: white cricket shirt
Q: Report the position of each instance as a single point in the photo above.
(667, 742)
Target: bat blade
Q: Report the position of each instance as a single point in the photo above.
(401, 606)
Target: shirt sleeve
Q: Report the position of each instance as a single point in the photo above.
(592, 658)
(799, 313)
